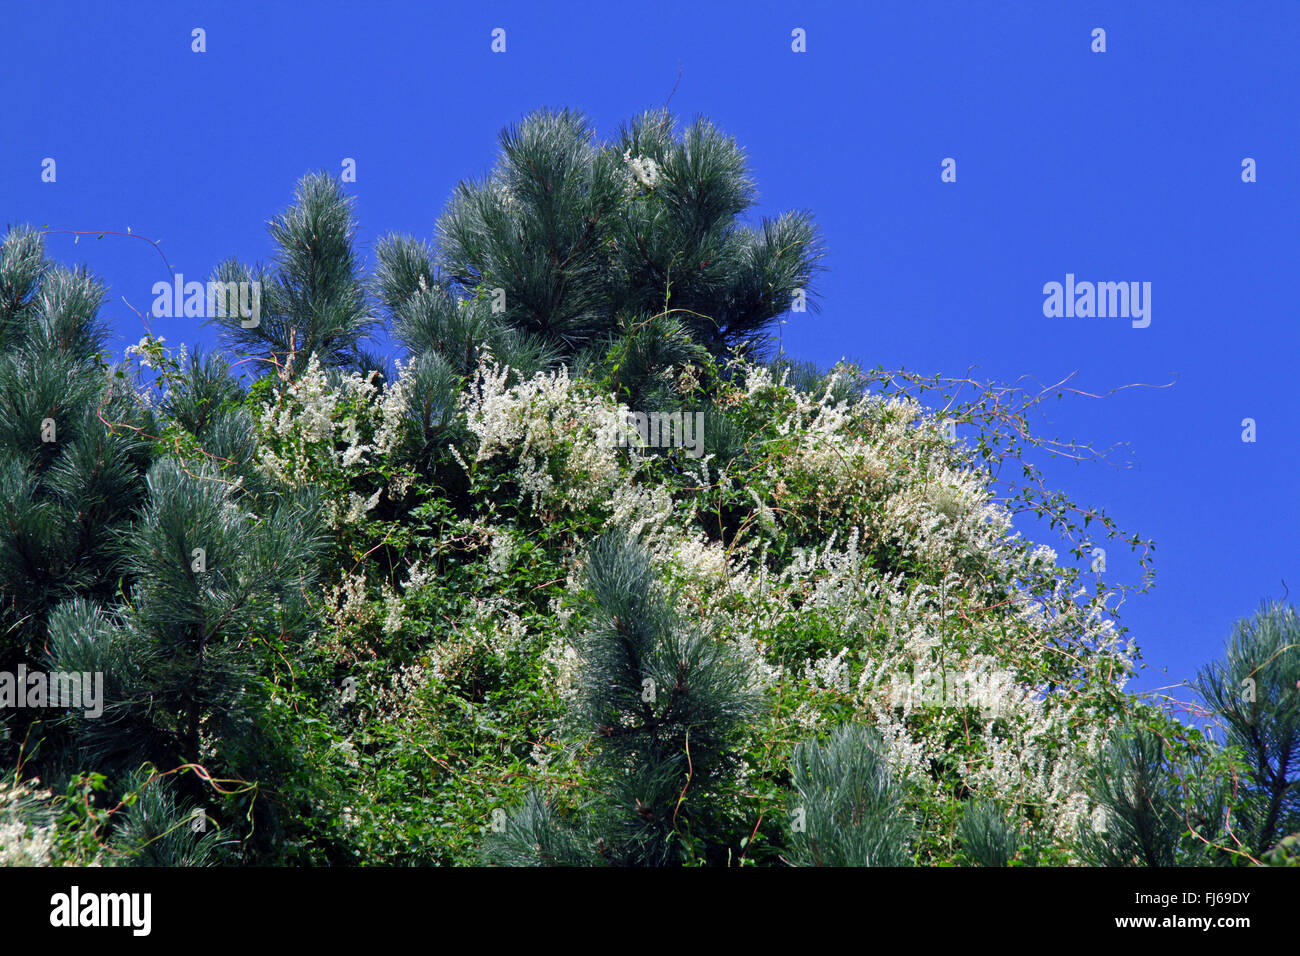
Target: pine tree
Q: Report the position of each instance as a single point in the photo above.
(314, 299)
(663, 704)
(146, 548)
(535, 834)
(1161, 806)
(205, 414)
(159, 829)
(74, 449)
(178, 658)
(986, 835)
(1166, 808)
(1134, 784)
(1255, 691)
(625, 256)
(846, 809)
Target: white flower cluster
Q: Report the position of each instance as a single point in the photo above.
(875, 471)
(393, 700)
(982, 685)
(357, 508)
(503, 551)
(393, 406)
(318, 427)
(561, 659)
(558, 437)
(642, 171)
(492, 624)
(830, 673)
(346, 603)
(505, 197)
(149, 349)
(347, 753)
(26, 831)
(393, 610)
(417, 577)
(1038, 757)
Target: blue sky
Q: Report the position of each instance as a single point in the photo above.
(1115, 166)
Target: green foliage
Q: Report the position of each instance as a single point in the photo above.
(1286, 853)
(436, 617)
(82, 822)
